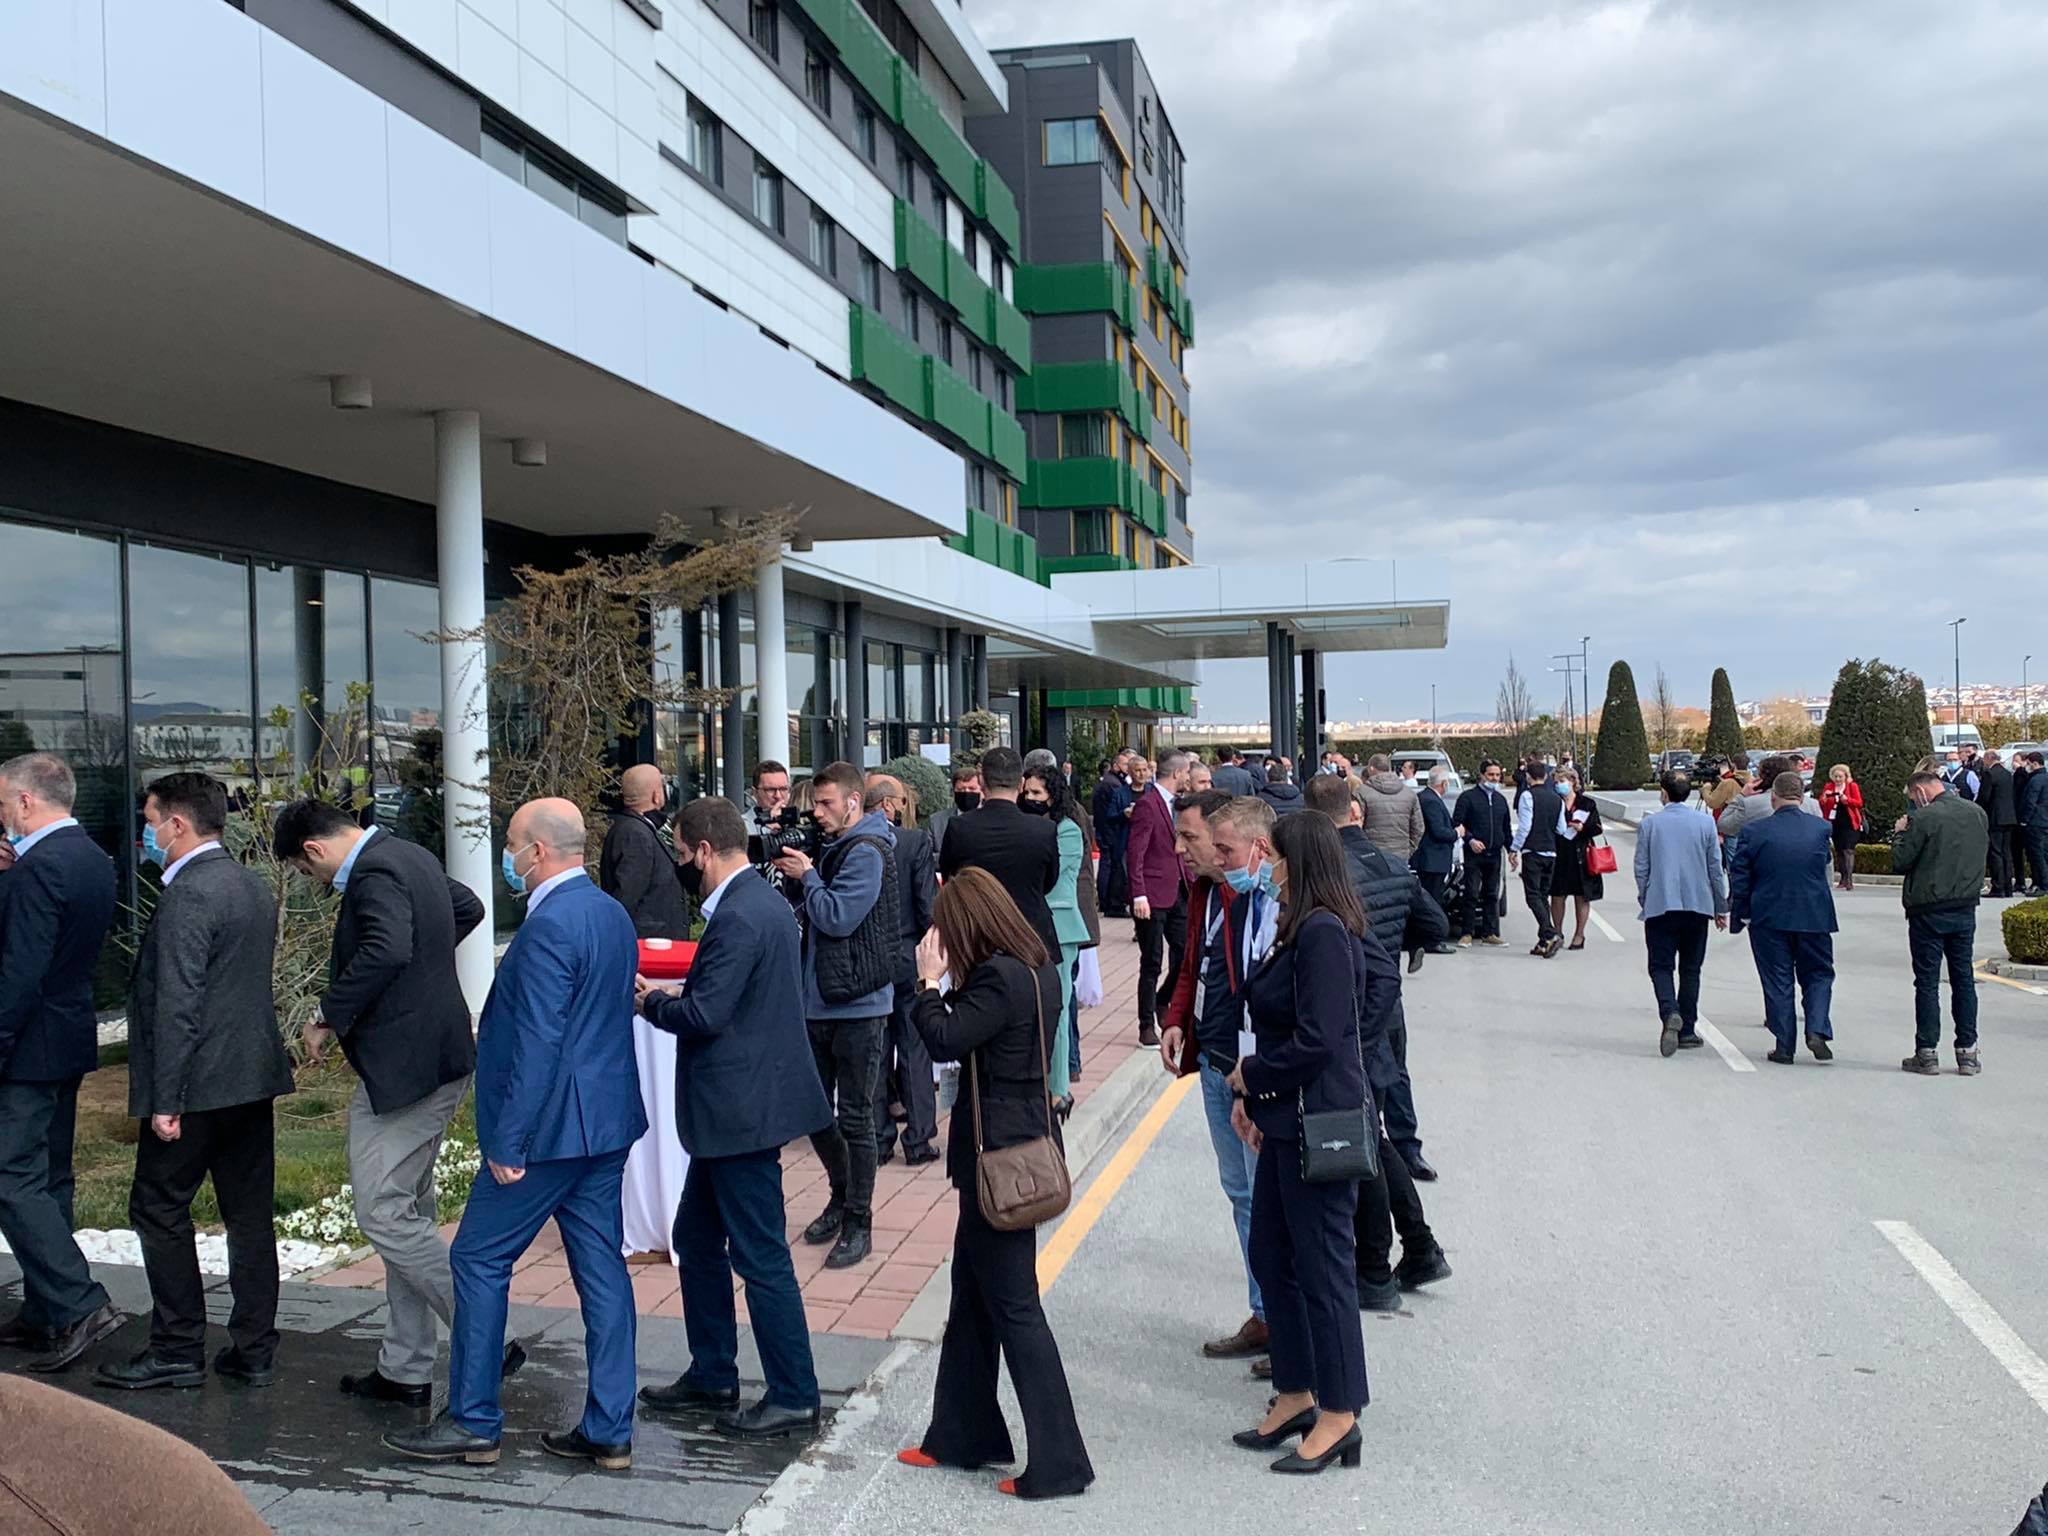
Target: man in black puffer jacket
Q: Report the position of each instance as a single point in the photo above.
(1401, 914)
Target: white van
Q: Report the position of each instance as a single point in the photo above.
(1953, 738)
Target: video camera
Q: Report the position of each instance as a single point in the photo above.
(790, 829)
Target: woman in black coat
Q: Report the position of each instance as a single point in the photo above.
(1573, 881)
(998, 1022)
(1306, 998)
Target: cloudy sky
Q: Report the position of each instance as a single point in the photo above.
(1657, 319)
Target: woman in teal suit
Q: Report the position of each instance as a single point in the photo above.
(1046, 793)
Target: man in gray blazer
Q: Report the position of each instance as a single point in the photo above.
(204, 1064)
(1681, 890)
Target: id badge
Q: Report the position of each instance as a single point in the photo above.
(1247, 1044)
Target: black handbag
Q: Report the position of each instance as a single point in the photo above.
(1339, 1146)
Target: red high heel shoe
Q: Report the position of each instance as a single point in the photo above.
(911, 1456)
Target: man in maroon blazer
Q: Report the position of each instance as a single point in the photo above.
(1159, 882)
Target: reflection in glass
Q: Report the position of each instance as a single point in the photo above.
(405, 721)
(189, 665)
(310, 643)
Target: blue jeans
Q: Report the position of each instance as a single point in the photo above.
(1784, 958)
(1236, 1165)
(1936, 937)
(731, 1220)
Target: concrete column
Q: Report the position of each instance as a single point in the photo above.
(465, 690)
(732, 720)
(1293, 747)
(1276, 687)
(309, 645)
(695, 781)
(981, 693)
(822, 702)
(771, 664)
(856, 686)
(956, 685)
(1311, 709)
(1055, 731)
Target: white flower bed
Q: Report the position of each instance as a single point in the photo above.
(333, 1220)
(122, 1246)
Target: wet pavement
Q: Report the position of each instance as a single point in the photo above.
(310, 1459)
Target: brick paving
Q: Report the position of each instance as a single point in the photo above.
(914, 1208)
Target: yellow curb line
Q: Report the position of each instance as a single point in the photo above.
(1082, 1218)
(2018, 986)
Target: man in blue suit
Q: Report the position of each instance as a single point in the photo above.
(745, 1086)
(557, 1109)
(1778, 889)
(1435, 854)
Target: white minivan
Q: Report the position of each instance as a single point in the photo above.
(1953, 738)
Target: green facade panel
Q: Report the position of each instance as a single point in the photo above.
(862, 49)
(1007, 443)
(1097, 386)
(1077, 288)
(966, 292)
(1162, 701)
(920, 249)
(1012, 331)
(1055, 565)
(1054, 483)
(927, 126)
(1141, 421)
(994, 201)
(882, 358)
(957, 406)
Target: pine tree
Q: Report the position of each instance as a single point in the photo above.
(1877, 724)
(1622, 754)
(1724, 726)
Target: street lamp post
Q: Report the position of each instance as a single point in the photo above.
(1956, 629)
(2026, 701)
(1586, 672)
(1433, 738)
(1571, 660)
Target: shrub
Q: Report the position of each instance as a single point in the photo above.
(2026, 931)
(928, 781)
(1873, 858)
(1624, 745)
(1877, 724)
(1724, 726)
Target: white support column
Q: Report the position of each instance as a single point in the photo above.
(771, 665)
(465, 718)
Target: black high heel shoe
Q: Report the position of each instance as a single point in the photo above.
(1350, 1450)
(1063, 1107)
(1258, 1440)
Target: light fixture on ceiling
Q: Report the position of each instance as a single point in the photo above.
(349, 391)
(530, 452)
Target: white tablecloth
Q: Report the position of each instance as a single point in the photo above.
(657, 1163)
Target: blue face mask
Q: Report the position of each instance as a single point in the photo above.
(1243, 881)
(1268, 884)
(152, 850)
(515, 881)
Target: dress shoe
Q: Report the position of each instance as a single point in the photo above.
(1379, 1296)
(150, 1369)
(15, 1334)
(917, 1157)
(1967, 1064)
(1782, 1057)
(1667, 1042)
(67, 1344)
(1262, 1368)
(1248, 1340)
(1554, 948)
(1920, 1063)
(768, 1421)
(684, 1395)
(1494, 941)
(1419, 1169)
(232, 1365)
(1691, 1042)
(885, 1156)
(1350, 1450)
(1259, 1440)
(1414, 961)
(574, 1445)
(1445, 948)
(444, 1440)
(827, 1226)
(1419, 1269)
(378, 1387)
(513, 1358)
(1148, 1032)
(1822, 1051)
(854, 1244)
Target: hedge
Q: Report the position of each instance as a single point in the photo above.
(1623, 747)
(1873, 858)
(2026, 931)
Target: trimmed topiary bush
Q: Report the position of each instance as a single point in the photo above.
(1873, 858)
(1877, 724)
(1624, 746)
(928, 781)
(1724, 726)
(2026, 931)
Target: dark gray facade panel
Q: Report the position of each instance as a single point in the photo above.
(349, 44)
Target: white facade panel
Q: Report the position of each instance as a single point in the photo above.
(593, 135)
(544, 33)
(440, 211)
(490, 60)
(52, 56)
(533, 268)
(184, 88)
(325, 162)
(432, 26)
(611, 316)
(592, 67)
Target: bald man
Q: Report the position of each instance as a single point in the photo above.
(557, 1109)
(636, 868)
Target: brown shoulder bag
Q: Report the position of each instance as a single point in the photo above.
(1020, 1187)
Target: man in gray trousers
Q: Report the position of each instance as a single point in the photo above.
(395, 1004)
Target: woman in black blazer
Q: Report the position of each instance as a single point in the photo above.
(998, 1021)
(1573, 881)
(1305, 1000)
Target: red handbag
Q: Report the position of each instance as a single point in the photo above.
(1600, 860)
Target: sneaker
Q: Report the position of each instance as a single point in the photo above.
(1822, 1051)
(1379, 1298)
(1494, 940)
(1782, 1058)
(1967, 1064)
(827, 1226)
(854, 1244)
(1667, 1042)
(1923, 1063)
(1691, 1042)
(1419, 1269)
(1465, 942)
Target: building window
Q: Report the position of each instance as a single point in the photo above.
(1086, 534)
(818, 80)
(946, 342)
(906, 177)
(938, 190)
(870, 282)
(864, 130)
(971, 246)
(1003, 389)
(824, 243)
(505, 150)
(1084, 437)
(707, 146)
(974, 366)
(762, 28)
(896, 27)
(977, 486)
(910, 321)
(1071, 141)
(767, 194)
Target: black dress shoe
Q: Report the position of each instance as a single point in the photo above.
(1419, 1169)
(150, 1369)
(917, 1157)
(1259, 1440)
(1782, 1058)
(378, 1387)
(854, 1244)
(1443, 949)
(1350, 1450)
(1419, 1269)
(683, 1395)
(443, 1440)
(768, 1421)
(67, 1344)
(884, 1156)
(15, 1334)
(827, 1226)
(1414, 961)
(1148, 1033)
(1822, 1051)
(1673, 1032)
(1691, 1042)
(515, 1357)
(232, 1365)
(577, 1446)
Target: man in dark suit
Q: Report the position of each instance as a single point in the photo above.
(1158, 892)
(204, 1063)
(917, 888)
(745, 1086)
(635, 868)
(1110, 804)
(1486, 821)
(1778, 887)
(395, 1004)
(56, 900)
(1022, 852)
(1433, 856)
(557, 1109)
(2033, 813)
(966, 800)
(1995, 799)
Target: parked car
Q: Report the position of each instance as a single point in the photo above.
(1426, 762)
(1674, 761)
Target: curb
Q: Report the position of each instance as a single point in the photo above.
(1132, 1087)
(2012, 970)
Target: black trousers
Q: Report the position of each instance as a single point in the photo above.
(1386, 1205)
(37, 1122)
(2037, 853)
(1538, 873)
(996, 1310)
(1998, 861)
(1161, 937)
(1303, 1250)
(1482, 892)
(1677, 942)
(912, 1079)
(1434, 883)
(849, 1057)
(1403, 1126)
(1112, 883)
(237, 1147)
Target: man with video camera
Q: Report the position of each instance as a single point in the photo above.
(850, 905)
(773, 825)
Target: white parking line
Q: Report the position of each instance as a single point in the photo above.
(1737, 1062)
(1977, 1314)
(1605, 927)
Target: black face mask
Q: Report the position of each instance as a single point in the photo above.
(966, 800)
(1035, 807)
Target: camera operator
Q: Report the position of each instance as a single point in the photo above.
(850, 909)
(772, 814)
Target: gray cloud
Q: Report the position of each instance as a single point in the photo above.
(1659, 318)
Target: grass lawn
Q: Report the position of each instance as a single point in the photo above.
(312, 1143)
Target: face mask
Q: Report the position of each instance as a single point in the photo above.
(966, 800)
(514, 881)
(1243, 881)
(1268, 883)
(152, 850)
(1036, 807)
